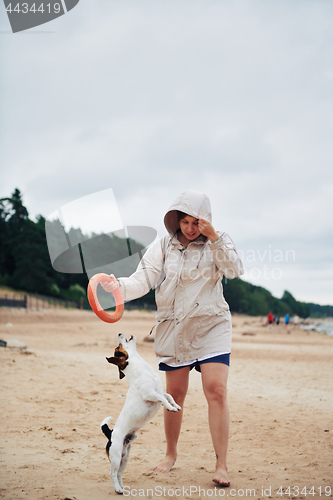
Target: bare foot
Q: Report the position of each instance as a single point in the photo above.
(221, 477)
(166, 464)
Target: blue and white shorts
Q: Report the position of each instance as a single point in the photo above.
(220, 358)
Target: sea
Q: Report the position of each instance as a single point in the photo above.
(321, 326)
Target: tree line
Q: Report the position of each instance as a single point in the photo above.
(25, 265)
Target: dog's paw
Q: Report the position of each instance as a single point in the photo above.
(174, 408)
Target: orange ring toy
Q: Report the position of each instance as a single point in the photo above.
(94, 302)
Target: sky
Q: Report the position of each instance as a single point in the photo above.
(147, 99)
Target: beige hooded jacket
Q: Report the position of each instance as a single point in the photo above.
(193, 318)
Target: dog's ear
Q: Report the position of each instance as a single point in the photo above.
(114, 360)
(120, 362)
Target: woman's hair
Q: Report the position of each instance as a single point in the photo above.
(181, 215)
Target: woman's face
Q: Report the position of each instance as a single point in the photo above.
(189, 227)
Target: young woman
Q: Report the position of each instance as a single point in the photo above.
(193, 319)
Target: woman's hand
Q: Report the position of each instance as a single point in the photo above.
(207, 229)
(110, 287)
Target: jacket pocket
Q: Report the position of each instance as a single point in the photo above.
(209, 310)
(164, 339)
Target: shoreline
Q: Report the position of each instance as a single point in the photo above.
(324, 326)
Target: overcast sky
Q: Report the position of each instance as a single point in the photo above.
(150, 98)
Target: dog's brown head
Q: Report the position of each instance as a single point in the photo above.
(120, 356)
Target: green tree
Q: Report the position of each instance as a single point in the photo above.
(13, 219)
(32, 267)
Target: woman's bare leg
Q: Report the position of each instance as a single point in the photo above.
(176, 385)
(214, 382)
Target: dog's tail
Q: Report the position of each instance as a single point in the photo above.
(105, 427)
(107, 432)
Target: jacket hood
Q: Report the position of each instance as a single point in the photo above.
(190, 202)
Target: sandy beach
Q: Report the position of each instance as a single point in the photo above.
(56, 391)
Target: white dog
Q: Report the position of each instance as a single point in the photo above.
(144, 398)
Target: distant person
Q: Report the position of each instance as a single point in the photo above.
(286, 319)
(295, 320)
(277, 320)
(270, 318)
